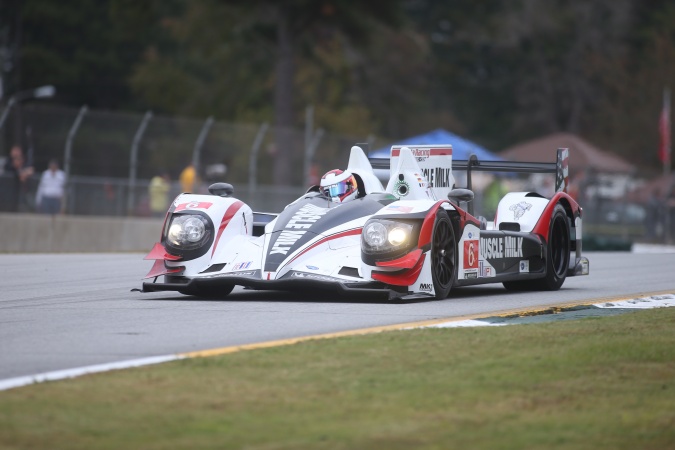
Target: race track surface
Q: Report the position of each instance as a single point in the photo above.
(73, 310)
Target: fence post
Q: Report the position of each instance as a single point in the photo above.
(199, 143)
(253, 158)
(133, 161)
(68, 155)
(310, 150)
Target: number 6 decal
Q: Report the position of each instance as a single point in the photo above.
(471, 254)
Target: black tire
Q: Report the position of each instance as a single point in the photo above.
(443, 255)
(557, 257)
(210, 292)
(557, 252)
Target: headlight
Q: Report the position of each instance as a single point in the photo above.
(399, 235)
(386, 235)
(187, 231)
(375, 234)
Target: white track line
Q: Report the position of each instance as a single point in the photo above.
(11, 383)
(654, 301)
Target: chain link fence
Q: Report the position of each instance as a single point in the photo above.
(110, 157)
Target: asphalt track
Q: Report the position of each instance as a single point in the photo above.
(72, 310)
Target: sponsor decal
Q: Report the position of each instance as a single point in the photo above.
(312, 267)
(193, 205)
(242, 265)
(485, 270)
(519, 209)
(423, 153)
(562, 172)
(472, 274)
(471, 254)
(400, 208)
(426, 287)
(312, 276)
(438, 176)
(524, 266)
(303, 219)
(501, 247)
(244, 273)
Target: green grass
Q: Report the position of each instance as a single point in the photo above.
(590, 384)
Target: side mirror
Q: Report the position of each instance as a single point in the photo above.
(221, 189)
(460, 195)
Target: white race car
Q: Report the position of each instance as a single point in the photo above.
(410, 240)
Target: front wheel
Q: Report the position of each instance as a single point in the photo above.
(443, 255)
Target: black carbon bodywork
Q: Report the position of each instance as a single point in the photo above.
(312, 215)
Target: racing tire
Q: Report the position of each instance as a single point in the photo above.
(557, 257)
(211, 292)
(443, 256)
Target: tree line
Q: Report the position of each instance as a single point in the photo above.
(495, 71)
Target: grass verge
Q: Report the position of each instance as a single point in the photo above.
(586, 384)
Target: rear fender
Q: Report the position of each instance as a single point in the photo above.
(520, 211)
(572, 209)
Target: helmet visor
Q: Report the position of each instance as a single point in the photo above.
(338, 189)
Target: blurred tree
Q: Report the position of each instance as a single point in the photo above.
(293, 24)
(496, 71)
(86, 49)
(512, 70)
(230, 56)
(627, 117)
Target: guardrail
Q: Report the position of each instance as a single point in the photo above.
(34, 233)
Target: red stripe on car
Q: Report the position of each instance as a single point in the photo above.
(432, 151)
(229, 214)
(342, 234)
(158, 268)
(406, 262)
(428, 225)
(159, 252)
(544, 222)
(407, 278)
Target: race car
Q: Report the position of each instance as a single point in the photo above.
(410, 240)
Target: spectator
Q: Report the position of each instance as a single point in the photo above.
(49, 197)
(188, 178)
(21, 170)
(492, 194)
(159, 194)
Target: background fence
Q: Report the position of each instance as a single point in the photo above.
(110, 157)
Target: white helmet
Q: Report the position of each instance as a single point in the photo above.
(340, 186)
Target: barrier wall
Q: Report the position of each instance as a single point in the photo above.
(35, 233)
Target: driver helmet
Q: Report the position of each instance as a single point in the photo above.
(339, 185)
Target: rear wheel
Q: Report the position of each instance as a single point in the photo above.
(443, 255)
(558, 255)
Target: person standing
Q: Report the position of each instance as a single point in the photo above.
(21, 170)
(188, 178)
(159, 194)
(49, 196)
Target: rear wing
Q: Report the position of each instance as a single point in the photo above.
(559, 167)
